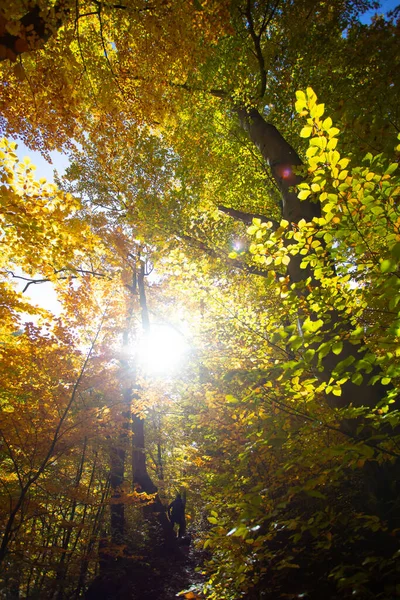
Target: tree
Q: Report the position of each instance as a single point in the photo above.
(193, 140)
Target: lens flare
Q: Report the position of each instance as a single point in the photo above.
(162, 350)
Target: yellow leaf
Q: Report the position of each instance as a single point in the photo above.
(306, 132)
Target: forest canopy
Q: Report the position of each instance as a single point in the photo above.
(225, 249)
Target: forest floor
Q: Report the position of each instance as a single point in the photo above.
(159, 576)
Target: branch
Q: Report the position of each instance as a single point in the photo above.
(266, 21)
(251, 328)
(189, 88)
(257, 44)
(247, 218)
(299, 413)
(55, 438)
(220, 254)
(46, 280)
(100, 5)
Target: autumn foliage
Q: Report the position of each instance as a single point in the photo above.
(234, 179)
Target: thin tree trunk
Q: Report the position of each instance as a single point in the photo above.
(140, 474)
(16, 515)
(116, 480)
(139, 468)
(94, 535)
(65, 556)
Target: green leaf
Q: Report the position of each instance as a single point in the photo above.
(231, 400)
(357, 378)
(395, 250)
(391, 169)
(386, 265)
(309, 354)
(337, 347)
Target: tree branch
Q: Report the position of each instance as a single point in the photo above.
(247, 218)
(46, 280)
(220, 254)
(53, 444)
(257, 45)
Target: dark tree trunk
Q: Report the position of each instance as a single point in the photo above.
(116, 480)
(141, 477)
(139, 467)
(282, 158)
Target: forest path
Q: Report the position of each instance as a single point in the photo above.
(161, 576)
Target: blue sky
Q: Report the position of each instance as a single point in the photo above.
(43, 168)
(386, 6)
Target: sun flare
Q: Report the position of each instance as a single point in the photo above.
(162, 350)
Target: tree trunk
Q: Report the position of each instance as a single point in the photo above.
(141, 477)
(140, 474)
(62, 568)
(117, 509)
(282, 158)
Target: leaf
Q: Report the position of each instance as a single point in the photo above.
(319, 110)
(333, 131)
(300, 95)
(386, 265)
(357, 378)
(315, 494)
(320, 142)
(395, 250)
(306, 132)
(327, 124)
(337, 347)
(391, 169)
